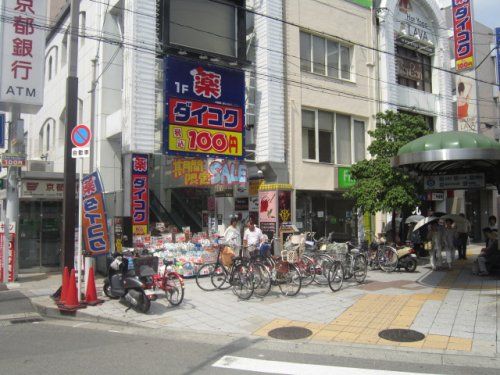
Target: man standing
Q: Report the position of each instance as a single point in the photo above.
(463, 229)
(253, 236)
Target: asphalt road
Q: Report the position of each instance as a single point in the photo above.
(71, 347)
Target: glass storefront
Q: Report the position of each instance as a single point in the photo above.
(40, 229)
(325, 213)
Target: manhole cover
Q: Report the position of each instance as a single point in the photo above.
(290, 333)
(401, 335)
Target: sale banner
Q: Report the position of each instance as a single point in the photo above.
(204, 109)
(140, 194)
(94, 221)
(12, 251)
(462, 32)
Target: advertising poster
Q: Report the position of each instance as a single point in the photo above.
(462, 32)
(94, 221)
(284, 207)
(268, 207)
(466, 105)
(12, 251)
(140, 194)
(205, 109)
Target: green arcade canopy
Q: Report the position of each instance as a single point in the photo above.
(451, 153)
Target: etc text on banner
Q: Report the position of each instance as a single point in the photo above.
(204, 109)
(94, 223)
(140, 194)
(462, 32)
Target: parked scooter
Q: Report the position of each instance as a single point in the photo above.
(123, 283)
(407, 258)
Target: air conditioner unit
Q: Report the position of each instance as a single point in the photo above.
(40, 166)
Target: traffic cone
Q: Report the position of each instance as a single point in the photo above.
(64, 288)
(71, 302)
(90, 290)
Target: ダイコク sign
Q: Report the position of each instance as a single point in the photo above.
(140, 194)
(205, 112)
(94, 224)
(462, 31)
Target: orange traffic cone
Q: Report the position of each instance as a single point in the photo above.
(71, 302)
(64, 289)
(90, 290)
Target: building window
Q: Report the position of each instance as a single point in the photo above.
(329, 137)
(413, 69)
(429, 120)
(49, 71)
(324, 56)
(64, 49)
(48, 137)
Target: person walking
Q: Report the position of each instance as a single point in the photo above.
(435, 234)
(449, 240)
(463, 230)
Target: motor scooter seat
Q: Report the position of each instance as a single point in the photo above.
(116, 283)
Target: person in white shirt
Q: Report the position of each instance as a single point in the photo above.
(232, 236)
(252, 237)
(463, 229)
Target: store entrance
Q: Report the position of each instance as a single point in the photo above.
(40, 228)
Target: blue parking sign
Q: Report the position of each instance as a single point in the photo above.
(2, 130)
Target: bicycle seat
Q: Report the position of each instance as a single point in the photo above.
(168, 262)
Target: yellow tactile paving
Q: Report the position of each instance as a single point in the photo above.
(372, 313)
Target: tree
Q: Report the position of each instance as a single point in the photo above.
(378, 186)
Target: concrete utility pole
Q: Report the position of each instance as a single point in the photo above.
(69, 202)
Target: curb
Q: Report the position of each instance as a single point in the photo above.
(79, 315)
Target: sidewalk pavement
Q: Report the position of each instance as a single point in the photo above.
(458, 313)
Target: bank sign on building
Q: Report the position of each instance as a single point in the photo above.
(205, 109)
(22, 52)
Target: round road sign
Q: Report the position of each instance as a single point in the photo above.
(81, 135)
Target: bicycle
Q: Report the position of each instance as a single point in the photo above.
(380, 255)
(353, 262)
(169, 282)
(213, 276)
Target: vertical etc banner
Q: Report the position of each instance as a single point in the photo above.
(140, 194)
(94, 222)
(462, 32)
(22, 38)
(12, 251)
(205, 109)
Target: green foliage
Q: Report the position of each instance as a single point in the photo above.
(379, 187)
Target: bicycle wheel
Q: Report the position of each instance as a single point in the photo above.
(289, 281)
(174, 289)
(360, 268)
(204, 276)
(220, 277)
(387, 258)
(336, 276)
(242, 281)
(321, 267)
(306, 266)
(262, 280)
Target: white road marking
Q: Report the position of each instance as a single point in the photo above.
(289, 368)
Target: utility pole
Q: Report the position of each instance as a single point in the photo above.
(69, 202)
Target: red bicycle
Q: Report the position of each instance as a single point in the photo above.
(170, 283)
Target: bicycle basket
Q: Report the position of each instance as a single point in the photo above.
(146, 266)
(290, 255)
(337, 250)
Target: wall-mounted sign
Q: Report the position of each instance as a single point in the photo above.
(12, 251)
(207, 172)
(2, 130)
(140, 194)
(94, 221)
(455, 181)
(241, 204)
(23, 54)
(42, 189)
(462, 32)
(435, 196)
(412, 22)
(344, 178)
(205, 109)
(466, 104)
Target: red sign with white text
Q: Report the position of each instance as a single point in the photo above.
(462, 32)
(12, 251)
(140, 194)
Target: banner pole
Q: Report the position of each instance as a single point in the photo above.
(80, 203)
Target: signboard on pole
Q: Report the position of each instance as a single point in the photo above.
(12, 252)
(2, 130)
(140, 194)
(497, 32)
(94, 221)
(81, 135)
(23, 54)
(462, 32)
(205, 109)
(13, 160)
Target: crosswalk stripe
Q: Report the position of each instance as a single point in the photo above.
(289, 368)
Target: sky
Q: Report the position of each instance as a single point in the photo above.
(487, 12)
